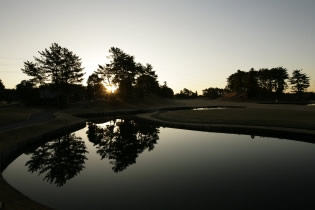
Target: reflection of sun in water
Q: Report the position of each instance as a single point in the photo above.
(111, 88)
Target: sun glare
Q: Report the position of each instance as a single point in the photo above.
(111, 89)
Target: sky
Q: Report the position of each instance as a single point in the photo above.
(193, 44)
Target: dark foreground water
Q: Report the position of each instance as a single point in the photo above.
(125, 164)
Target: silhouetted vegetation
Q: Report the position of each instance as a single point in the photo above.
(59, 160)
(95, 87)
(56, 65)
(185, 93)
(57, 68)
(121, 141)
(1, 86)
(133, 79)
(166, 91)
(1, 90)
(299, 81)
(213, 93)
(27, 92)
(266, 82)
(270, 84)
(56, 77)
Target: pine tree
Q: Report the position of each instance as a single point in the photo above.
(56, 65)
(299, 81)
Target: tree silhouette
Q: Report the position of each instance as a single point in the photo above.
(94, 133)
(122, 141)
(263, 82)
(185, 93)
(27, 92)
(252, 83)
(1, 90)
(299, 81)
(166, 91)
(1, 86)
(213, 93)
(147, 82)
(95, 87)
(133, 79)
(60, 159)
(56, 65)
(279, 77)
(237, 82)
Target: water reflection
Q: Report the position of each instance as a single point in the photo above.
(60, 159)
(121, 141)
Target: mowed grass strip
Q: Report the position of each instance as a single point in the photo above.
(287, 118)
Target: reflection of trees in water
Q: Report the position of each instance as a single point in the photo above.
(60, 159)
(122, 141)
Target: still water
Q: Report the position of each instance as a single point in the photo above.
(126, 164)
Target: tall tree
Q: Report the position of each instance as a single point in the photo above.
(299, 81)
(95, 87)
(237, 81)
(252, 83)
(279, 77)
(166, 91)
(56, 65)
(147, 81)
(1, 85)
(1, 90)
(122, 71)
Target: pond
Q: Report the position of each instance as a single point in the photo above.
(129, 164)
(208, 108)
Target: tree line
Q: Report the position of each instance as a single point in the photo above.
(262, 83)
(56, 76)
(267, 82)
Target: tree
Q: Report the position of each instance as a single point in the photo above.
(56, 65)
(133, 79)
(123, 69)
(1, 90)
(122, 141)
(27, 93)
(279, 76)
(58, 68)
(213, 93)
(147, 82)
(237, 81)
(185, 93)
(95, 87)
(299, 81)
(252, 83)
(59, 160)
(166, 91)
(1, 86)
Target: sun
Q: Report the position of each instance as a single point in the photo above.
(111, 88)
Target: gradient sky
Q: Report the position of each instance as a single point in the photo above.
(194, 44)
